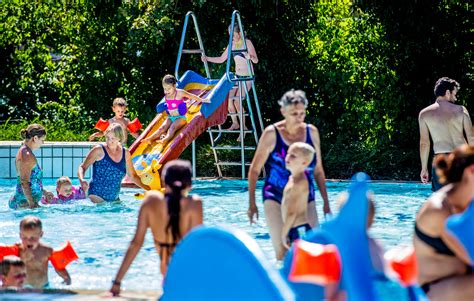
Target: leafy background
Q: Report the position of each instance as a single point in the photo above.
(368, 67)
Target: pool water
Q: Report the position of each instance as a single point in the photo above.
(100, 234)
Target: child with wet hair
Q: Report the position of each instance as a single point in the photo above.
(12, 272)
(67, 192)
(36, 254)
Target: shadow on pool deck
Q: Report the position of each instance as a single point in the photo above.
(92, 295)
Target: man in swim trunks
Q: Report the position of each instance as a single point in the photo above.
(448, 124)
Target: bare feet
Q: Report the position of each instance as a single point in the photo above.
(233, 127)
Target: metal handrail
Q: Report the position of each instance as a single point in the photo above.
(181, 45)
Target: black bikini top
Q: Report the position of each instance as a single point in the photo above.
(435, 242)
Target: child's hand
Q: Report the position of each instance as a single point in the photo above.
(206, 100)
(84, 185)
(146, 140)
(67, 280)
(48, 196)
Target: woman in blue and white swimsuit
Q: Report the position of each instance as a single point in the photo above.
(110, 162)
(271, 151)
(29, 188)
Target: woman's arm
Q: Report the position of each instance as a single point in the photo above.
(319, 174)
(251, 51)
(132, 251)
(264, 148)
(218, 59)
(132, 174)
(26, 163)
(94, 154)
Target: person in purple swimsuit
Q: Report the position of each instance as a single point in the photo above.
(271, 151)
(67, 192)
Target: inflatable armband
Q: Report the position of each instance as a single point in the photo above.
(9, 250)
(403, 263)
(315, 263)
(63, 256)
(182, 109)
(134, 125)
(101, 125)
(161, 107)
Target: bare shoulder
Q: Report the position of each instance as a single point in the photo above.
(45, 249)
(428, 109)
(26, 155)
(195, 201)
(153, 198)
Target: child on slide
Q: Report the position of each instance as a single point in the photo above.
(176, 109)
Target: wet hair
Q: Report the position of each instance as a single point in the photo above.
(33, 130)
(443, 84)
(63, 180)
(450, 168)
(169, 79)
(31, 222)
(293, 97)
(119, 101)
(305, 149)
(8, 262)
(118, 131)
(236, 28)
(177, 175)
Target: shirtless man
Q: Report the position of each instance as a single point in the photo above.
(448, 124)
(295, 195)
(35, 254)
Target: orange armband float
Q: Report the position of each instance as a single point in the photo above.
(63, 256)
(102, 125)
(403, 263)
(134, 125)
(9, 250)
(315, 263)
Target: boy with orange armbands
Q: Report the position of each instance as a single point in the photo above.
(36, 255)
(119, 107)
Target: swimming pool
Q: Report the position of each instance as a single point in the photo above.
(101, 233)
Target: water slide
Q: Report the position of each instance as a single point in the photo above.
(148, 159)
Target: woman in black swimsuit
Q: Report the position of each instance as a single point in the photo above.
(170, 217)
(444, 270)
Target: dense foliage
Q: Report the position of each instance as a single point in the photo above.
(368, 67)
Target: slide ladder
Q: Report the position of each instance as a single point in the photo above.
(243, 94)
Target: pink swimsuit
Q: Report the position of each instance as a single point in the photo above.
(77, 194)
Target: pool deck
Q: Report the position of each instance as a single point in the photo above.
(92, 295)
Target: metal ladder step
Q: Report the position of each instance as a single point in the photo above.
(237, 114)
(232, 163)
(230, 147)
(192, 51)
(229, 131)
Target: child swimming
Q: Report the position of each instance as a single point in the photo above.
(176, 108)
(67, 192)
(36, 254)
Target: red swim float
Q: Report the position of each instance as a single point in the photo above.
(403, 263)
(102, 125)
(315, 263)
(134, 125)
(63, 256)
(9, 250)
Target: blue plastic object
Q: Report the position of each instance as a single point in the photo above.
(217, 263)
(462, 227)
(349, 233)
(218, 95)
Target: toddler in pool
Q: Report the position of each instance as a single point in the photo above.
(66, 192)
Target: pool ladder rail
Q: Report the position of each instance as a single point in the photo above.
(243, 94)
